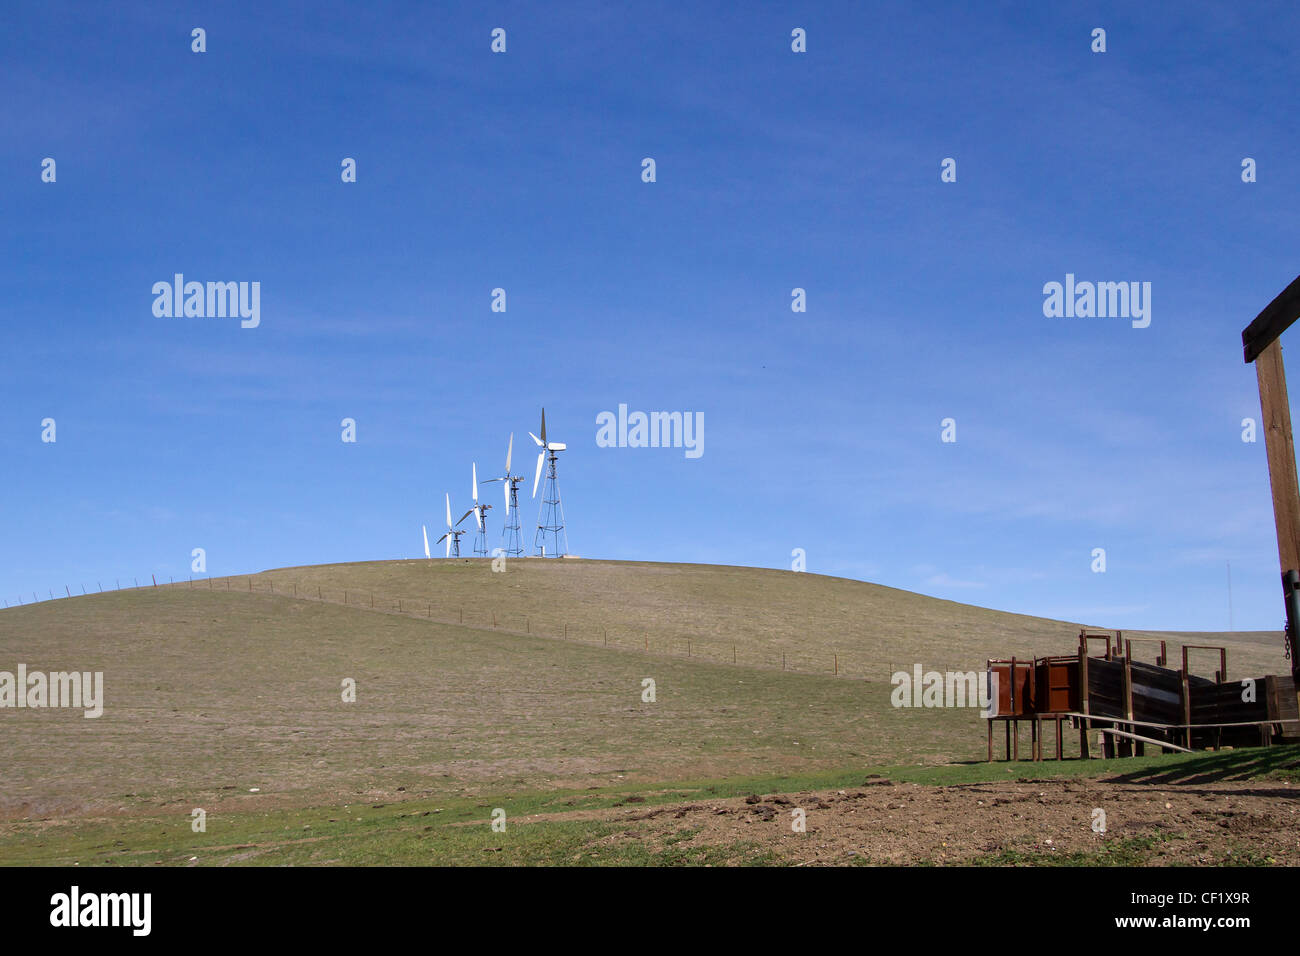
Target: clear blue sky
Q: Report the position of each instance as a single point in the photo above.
(775, 170)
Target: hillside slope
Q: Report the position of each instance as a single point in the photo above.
(226, 700)
(225, 691)
(811, 619)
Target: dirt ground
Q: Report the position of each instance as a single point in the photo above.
(886, 823)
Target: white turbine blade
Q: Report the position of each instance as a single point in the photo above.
(557, 446)
(509, 450)
(478, 517)
(448, 512)
(505, 486)
(474, 465)
(472, 511)
(448, 544)
(426, 541)
(538, 477)
(543, 426)
(534, 438)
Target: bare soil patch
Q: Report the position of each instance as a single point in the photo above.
(1038, 821)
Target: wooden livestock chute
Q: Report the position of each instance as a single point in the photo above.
(1133, 703)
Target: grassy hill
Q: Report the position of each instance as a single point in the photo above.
(227, 695)
(757, 614)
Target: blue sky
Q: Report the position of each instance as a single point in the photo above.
(775, 170)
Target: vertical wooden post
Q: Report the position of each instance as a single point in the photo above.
(1012, 698)
(1279, 444)
(1127, 750)
(1085, 725)
(1280, 447)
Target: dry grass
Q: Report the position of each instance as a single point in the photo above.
(760, 614)
(213, 692)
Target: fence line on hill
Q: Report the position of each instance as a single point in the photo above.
(647, 640)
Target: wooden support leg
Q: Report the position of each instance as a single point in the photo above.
(1015, 739)
(1007, 725)
(1279, 445)
(1060, 751)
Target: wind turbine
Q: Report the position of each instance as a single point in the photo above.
(510, 531)
(425, 530)
(479, 511)
(550, 516)
(452, 536)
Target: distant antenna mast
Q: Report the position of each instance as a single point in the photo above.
(1230, 597)
(550, 517)
(513, 540)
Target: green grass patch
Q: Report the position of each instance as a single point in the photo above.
(456, 830)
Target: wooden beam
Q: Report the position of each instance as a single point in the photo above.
(1084, 725)
(1272, 322)
(1280, 447)
(1145, 740)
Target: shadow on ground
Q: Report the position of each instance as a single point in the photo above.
(1221, 767)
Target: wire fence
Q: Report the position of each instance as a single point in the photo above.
(620, 636)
